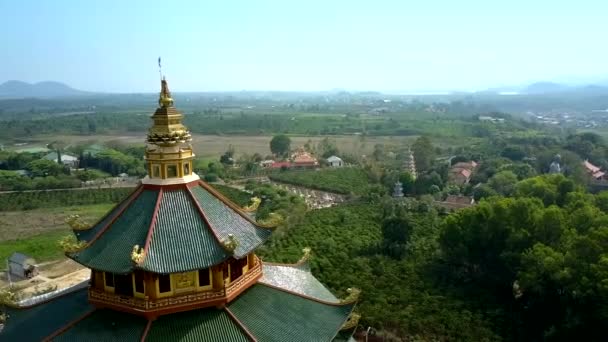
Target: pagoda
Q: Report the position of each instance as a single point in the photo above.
(175, 261)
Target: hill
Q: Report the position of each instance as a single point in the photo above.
(19, 89)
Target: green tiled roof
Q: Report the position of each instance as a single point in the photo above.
(225, 220)
(185, 236)
(297, 279)
(112, 251)
(106, 325)
(87, 235)
(181, 241)
(40, 321)
(274, 315)
(200, 325)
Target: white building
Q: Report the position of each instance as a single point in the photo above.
(335, 161)
(66, 159)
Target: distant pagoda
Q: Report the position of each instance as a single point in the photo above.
(409, 164)
(398, 190)
(175, 261)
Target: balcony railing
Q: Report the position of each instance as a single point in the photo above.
(212, 297)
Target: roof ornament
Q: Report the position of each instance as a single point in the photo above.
(138, 254)
(353, 296)
(69, 244)
(255, 203)
(230, 243)
(351, 322)
(306, 255)
(273, 220)
(76, 223)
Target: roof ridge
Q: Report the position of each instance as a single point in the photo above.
(204, 216)
(153, 221)
(230, 204)
(112, 209)
(240, 324)
(305, 296)
(69, 325)
(45, 301)
(146, 330)
(140, 189)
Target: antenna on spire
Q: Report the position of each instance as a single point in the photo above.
(160, 72)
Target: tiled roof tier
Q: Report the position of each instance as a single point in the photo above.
(261, 313)
(199, 325)
(104, 325)
(180, 227)
(274, 314)
(41, 320)
(296, 278)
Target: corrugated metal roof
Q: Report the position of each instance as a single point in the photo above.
(40, 321)
(274, 315)
(296, 279)
(106, 325)
(181, 241)
(193, 326)
(112, 251)
(225, 220)
(87, 235)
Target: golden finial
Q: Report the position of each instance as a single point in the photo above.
(165, 99)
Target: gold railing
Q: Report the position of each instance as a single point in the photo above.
(145, 304)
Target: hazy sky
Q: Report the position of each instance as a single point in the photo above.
(302, 45)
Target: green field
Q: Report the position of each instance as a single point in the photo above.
(343, 180)
(36, 232)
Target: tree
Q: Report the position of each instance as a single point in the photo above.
(44, 167)
(514, 153)
(503, 182)
(424, 153)
(228, 157)
(483, 191)
(280, 145)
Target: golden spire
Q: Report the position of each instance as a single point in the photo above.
(168, 155)
(167, 129)
(165, 100)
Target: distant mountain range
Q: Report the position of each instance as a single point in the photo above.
(539, 88)
(52, 89)
(19, 89)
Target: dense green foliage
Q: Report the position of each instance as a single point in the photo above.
(342, 180)
(60, 198)
(397, 296)
(538, 262)
(241, 198)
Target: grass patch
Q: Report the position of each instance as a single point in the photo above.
(42, 247)
(36, 232)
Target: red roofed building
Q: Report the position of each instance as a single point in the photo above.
(461, 172)
(302, 159)
(593, 171)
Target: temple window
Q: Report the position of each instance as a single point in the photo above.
(164, 283)
(204, 277)
(186, 169)
(138, 279)
(109, 279)
(156, 171)
(171, 171)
